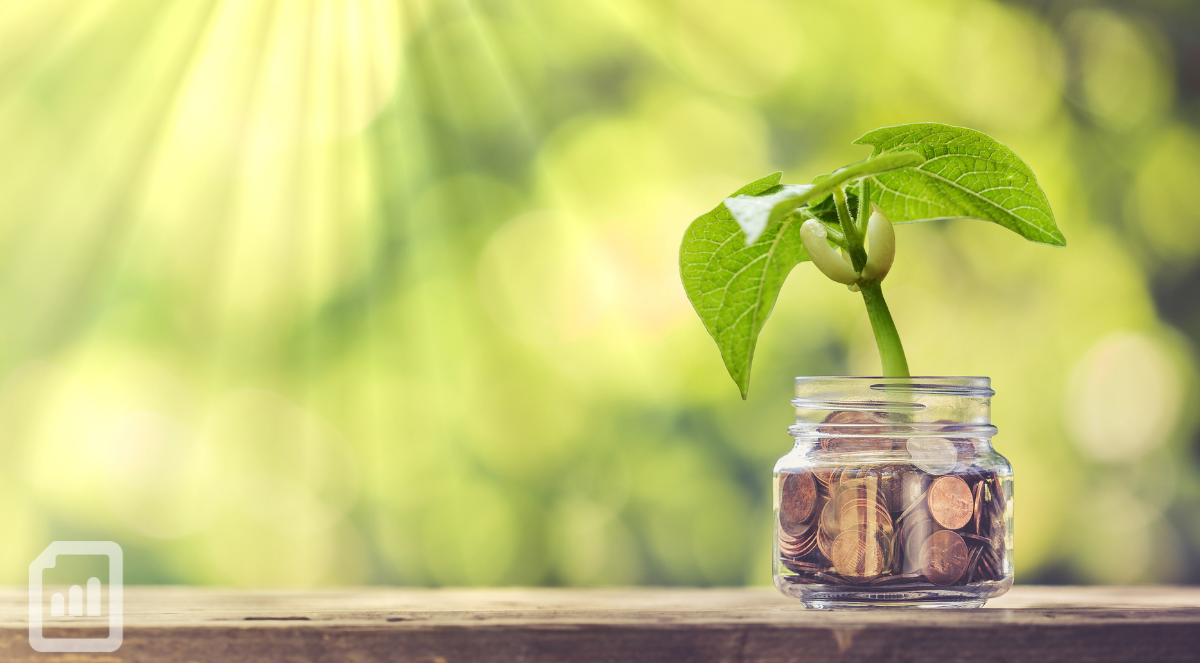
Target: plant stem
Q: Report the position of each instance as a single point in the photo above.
(891, 352)
(854, 242)
(864, 204)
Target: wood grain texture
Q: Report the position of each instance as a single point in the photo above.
(168, 625)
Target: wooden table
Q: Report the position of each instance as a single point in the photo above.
(1030, 624)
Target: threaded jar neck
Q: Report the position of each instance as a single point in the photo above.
(880, 407)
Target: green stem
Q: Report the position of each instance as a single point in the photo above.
(854, 242)
(891, 352)
(864, 204)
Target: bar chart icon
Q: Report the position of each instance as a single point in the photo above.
(76, 593)
(81, 600)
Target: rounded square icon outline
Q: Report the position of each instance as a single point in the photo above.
(46, 560)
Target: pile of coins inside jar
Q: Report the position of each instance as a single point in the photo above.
(931, 519)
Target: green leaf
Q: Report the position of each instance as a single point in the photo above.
(966, 174)
(734, 286)
(753, 211)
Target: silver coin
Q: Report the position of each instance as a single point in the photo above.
(934, 455)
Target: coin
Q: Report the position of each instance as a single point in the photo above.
(972, 564)
(796, 547)
(864, 514)
(975, 538)
(934, 455)
(916, 507)
(912, 537)
(966, 451)
(950, 503)
(848, 490)
(997, 491)
(896, 579)
(828, 529)
(944, 557)
(801, 567)
(853, 417)
(989, 565)
(831, 578)
(797, 500)
(796, 531)
(825, 474)
(853, 424)
(996, 532)
(887, 480)
(913, 485)
(978, 505)
(964, 446)
(858, 555)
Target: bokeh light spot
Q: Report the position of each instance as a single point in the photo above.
(1124, 398)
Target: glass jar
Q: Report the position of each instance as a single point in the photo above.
(893, 495)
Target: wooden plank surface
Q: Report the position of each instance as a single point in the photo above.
(170, 624)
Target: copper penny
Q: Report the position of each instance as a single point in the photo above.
(997, 494)
(858, 555)
(990, 565)
(902, 579)
(978, 505)
(944, 557)
(853, 417)
(849, 490)
(854, 424)
(797, 547)
(801, 567)
(828, 529)
(797, 501)
(888, 480)
(826, 475)
(861, 488)
(972, 563)
(950, 502)
(996, 533)
(864, 514)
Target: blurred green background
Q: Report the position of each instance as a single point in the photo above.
(314, 292)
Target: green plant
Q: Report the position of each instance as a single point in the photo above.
(735, 258)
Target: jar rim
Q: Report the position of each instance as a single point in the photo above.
(857, 405)
(968, 386)
(969, 378)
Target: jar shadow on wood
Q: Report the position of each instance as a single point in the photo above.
(893, 495)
